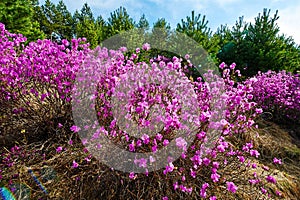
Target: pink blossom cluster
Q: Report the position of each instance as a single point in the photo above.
(224, 106)
(42, 71)
(278, 93)
(152, 103)
(156, 95)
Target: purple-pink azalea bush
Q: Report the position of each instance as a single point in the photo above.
(39, 79)
(225, 106)
(36, 80)
(278, 93)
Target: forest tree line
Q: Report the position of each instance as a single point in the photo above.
(256, 46)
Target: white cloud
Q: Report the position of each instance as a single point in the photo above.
(289, 22)
(177, 8)
(111, 4)
(157, 1)
(276, 1)
(226, 2)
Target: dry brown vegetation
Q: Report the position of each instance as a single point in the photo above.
(93, 180)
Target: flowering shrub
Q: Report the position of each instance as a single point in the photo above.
(37, 82)
(226, 111)
(278, 93)
(36, 79)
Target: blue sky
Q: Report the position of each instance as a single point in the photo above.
(217, 11)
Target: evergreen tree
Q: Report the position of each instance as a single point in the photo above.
(162, 24)
(119, 21)
(85, 26)
(76, 17)
(55, 20)
(87, 29)
(197, 28)
(47, 15)
(160, 33)
(18, 18)
(224, 34)
(63, 21)
(234, 48)
(143, 23)
(161, 40)
(258, 46)
(86, 13)
(101, 29)
(261, 38)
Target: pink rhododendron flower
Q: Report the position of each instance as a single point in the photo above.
(277, 161)
(59, 149)
(278, 193)
(263, 190)
(151, 159)
(75, 129)
(215, 177)
(169, 168)
(165, 142)
(231, 187)
(75, 164)
(203, 190)
(253, 181)
(241, 159)
(132, 175)
(265, 168)
(131, 147)
(181, 143)
(143, 162)
(254, 153)
(271, 179)
(146, 46)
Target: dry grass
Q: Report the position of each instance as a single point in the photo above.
(93, 180)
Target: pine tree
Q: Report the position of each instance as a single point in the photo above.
(119, 21)
(258, 46)
(234, 47)
(143, 23)
(262, 37)
(204, 46)
(87, 29)
(160, 33)
(18, 18)
(101, 29)
(46, 17)
(85, 26)
(63, 21)
(55, 20)
(86, 13)
(197, 28)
